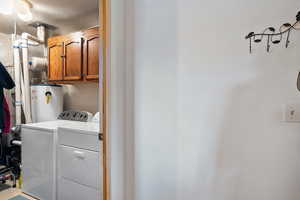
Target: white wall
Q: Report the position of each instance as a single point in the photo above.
(6, 52)
(207, 114)
(81, 23)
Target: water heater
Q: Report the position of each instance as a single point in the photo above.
(46, 102)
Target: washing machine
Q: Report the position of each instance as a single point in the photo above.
(39, 155)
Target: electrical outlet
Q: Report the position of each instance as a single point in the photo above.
(292, 112)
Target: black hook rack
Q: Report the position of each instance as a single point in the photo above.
(273, 36)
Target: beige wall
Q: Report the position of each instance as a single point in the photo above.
(81, 97)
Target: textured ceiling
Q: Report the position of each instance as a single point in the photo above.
(67, 15)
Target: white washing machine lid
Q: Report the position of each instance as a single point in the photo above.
(73, 125)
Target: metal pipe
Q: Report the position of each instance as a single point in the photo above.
(23, 93)
(27, 90)
(41, 35)
(23, 90)
(32, 38)
(18, 101)
(40, 40)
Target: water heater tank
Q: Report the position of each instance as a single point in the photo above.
(46, 102)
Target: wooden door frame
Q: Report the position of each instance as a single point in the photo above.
(104, 22)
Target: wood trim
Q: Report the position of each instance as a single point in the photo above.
(90, 32)
(103, 31)
(91, 77)
(74, 82)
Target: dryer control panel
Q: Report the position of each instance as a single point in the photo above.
(75, 116)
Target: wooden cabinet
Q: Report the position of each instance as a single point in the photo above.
(55, 63)
(91, 52)
(74, 57)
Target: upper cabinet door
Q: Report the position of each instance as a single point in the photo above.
(91, 54)
(73, 59)
(55, 63)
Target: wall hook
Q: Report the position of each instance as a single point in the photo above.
(271, 33)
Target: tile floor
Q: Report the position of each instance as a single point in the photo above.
(6, 192)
